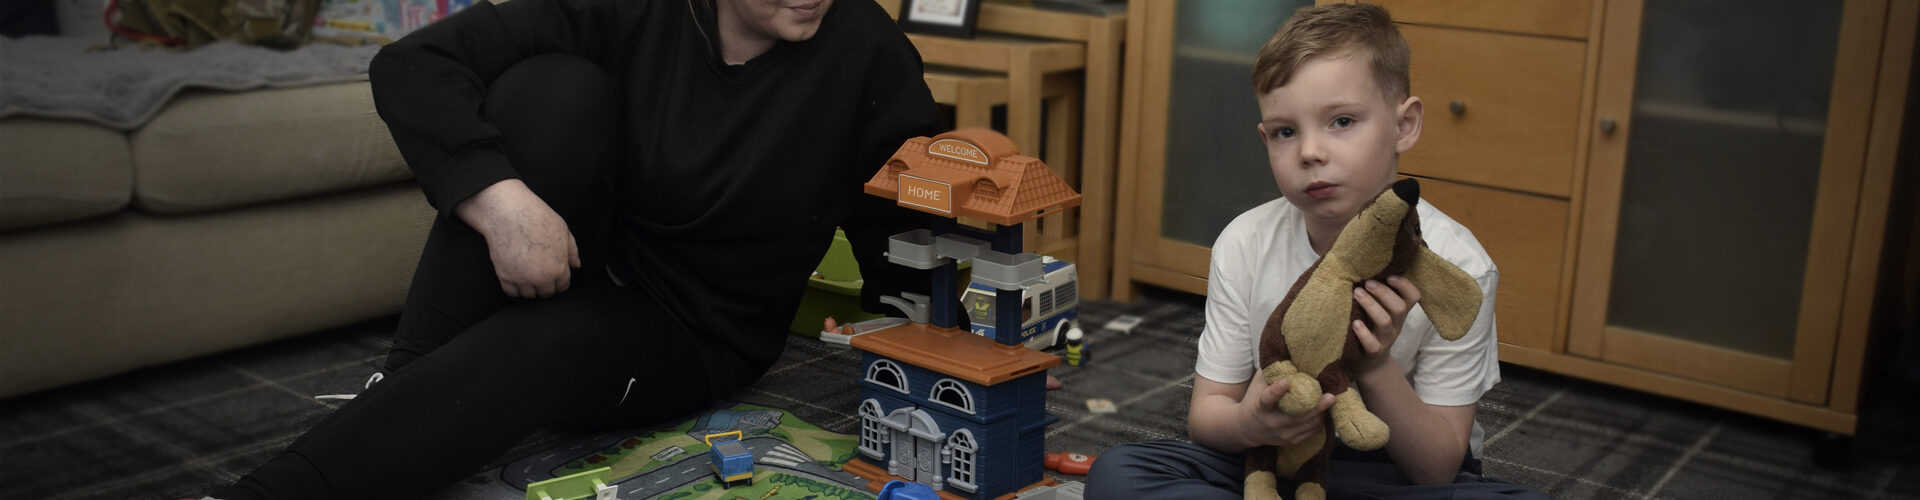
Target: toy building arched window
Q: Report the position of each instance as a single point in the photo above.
(888, 374)
(870, 430)
(949, 392)
(964, 449)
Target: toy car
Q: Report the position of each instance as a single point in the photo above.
(730, 460)
(903, 490)
(1070, 463)
(591, 483)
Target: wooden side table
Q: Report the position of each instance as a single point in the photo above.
(1027, 45)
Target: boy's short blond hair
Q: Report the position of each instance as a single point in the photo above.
(1328, 29)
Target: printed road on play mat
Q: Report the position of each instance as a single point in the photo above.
(793, 459)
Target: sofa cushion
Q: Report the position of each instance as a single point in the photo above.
(90, 299)
(210, 150)
(57, 171)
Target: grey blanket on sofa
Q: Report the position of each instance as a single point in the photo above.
(123, 88)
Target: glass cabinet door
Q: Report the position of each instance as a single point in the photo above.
(1726, 150)
(1216, 167)
(1199, 101)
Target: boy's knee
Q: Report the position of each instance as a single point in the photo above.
(1121, 460)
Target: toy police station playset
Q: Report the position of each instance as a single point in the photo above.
(940, 405)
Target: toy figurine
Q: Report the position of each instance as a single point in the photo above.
(1076, 347)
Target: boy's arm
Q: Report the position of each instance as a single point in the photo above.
(1429, 441)
(1231, 419)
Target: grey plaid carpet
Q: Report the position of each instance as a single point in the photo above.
(178, 430)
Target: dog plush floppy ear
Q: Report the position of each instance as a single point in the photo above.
(1450, 297)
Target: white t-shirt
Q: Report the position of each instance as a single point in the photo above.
(1264, 250)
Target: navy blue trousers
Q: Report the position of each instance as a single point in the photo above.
(1187, 471)
(473, 372)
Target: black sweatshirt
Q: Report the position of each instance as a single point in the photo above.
(734, 177)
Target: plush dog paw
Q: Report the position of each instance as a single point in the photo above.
(1278, 369)
(1310, 491)
(1361, 430)
(1261, 486)
(1303, 394)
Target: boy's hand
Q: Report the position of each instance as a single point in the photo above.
(1267, 425)
(1387, 305)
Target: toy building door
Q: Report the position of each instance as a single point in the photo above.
(927, 461)
(916, 448)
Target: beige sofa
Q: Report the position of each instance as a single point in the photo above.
(230, 219)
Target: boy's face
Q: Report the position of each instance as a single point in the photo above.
(1333, 140)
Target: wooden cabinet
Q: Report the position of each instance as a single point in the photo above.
(1526, 236)
(1501, 109)
(1735, 201)
(1686, 198)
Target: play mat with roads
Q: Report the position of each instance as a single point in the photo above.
(792, 460)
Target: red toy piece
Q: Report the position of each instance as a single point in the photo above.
(1070, 463)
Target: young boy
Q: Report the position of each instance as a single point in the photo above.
(1335, 114)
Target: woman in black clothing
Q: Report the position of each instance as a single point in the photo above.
(632, 194)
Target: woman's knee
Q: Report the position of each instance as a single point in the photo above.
(544, 82)
(560, 121)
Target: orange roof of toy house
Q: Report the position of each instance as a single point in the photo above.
(972, 172)
(956, 352)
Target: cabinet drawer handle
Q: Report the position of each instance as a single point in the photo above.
(1458, 107)
(1606, 125)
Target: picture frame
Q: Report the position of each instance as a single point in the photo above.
(954, 18)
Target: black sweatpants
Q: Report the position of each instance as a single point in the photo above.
(473, 372)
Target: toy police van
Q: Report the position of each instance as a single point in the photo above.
(1047, 310)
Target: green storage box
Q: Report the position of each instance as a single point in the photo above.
(833, 291)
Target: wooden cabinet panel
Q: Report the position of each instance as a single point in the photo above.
(1561, 18)
(1526, 235)
(1518, 108)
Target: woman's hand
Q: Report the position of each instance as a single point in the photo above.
(532, 250)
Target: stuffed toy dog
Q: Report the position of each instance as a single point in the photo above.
(1308, 340)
